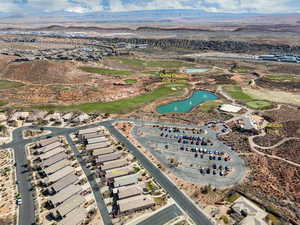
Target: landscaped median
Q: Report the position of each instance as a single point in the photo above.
(123, 105)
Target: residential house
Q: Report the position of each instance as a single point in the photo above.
(64, 194)
(63, 183)
(54, 159)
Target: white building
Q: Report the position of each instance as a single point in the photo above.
(230, 108)
(254, 214)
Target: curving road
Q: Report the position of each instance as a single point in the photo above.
(253, 147)
(26, 210)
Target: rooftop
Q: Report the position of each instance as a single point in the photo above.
(103, 151)
(59, 174)
(97, 145)
(135, 203)
(230, 108)
(49, 147)
(109, 157)
(64, 194)
(92, 135)
(114, 164)
(56, 166)
(119, 172)
(54, 159)
(75, 217)
(126, 180)
(89, 130)
(128, 191)
(97, 140)
(242, 204)
(51, 153)
(48, 141)
(64, 182)
(70, 204)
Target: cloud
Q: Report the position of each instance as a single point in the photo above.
(83, 6)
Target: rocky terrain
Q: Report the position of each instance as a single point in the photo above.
(288, 150)
(286, 85)
(40, 72)
(274, 184)
(211, 45)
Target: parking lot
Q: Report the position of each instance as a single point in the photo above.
(193, 154)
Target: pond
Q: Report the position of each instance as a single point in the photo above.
(188, 104)
(196, 70)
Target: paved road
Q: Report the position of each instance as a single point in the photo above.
(26, 215)
(182, 200)
(26, 210)
(91, 178)
(151, 136)
(163, 216)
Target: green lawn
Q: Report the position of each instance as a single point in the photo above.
(160, 63)
(282, 78)
(3, 103)
(273, 219)
(132, 62)
(124, 105)
(210, 105)
(232, 197)
(241, 70)
(130, 81)
(154, 73)
(259, 104)
(103, 71)
(237, 93)
(6, 84)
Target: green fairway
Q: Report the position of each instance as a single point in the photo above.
(259, 104)
(237, 93)
(6, 84)
(241, 70)
(130, 81)
(154, 73)
(103, 71)
(210, 105)
(283, 78)
(160, 63)
(123, 105)
(132, 62)
(243, 96)
(3, 103)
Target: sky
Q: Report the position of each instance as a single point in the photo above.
(85, 6)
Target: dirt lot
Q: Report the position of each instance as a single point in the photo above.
(7, 189)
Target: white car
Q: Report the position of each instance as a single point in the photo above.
(19, 201)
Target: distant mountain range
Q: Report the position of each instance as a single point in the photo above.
(147, 16)
(153, 14)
